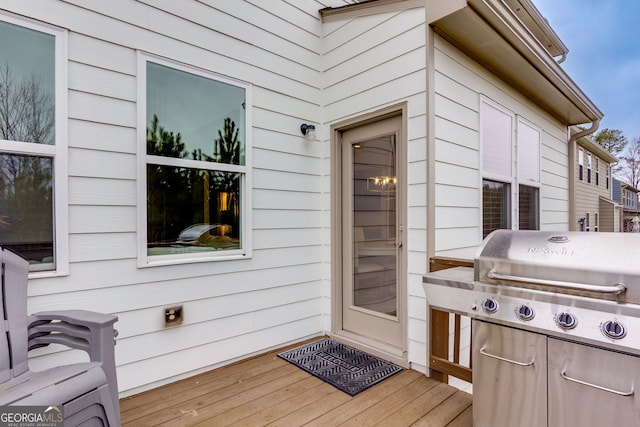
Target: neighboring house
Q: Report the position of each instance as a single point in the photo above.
(592, 207)
(627, 197)
(435, 123)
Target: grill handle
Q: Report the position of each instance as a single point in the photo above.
(616, 289)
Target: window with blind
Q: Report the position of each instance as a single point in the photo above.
(528, 146)
(504, 180)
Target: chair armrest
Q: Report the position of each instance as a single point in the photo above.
(84, 330)
(79, 329)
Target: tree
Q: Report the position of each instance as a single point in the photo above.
(227, 145)
(612, 140)
(630, 169)
(26, 109)
(226, 149)
(27, 114)
(168, 188)
(181, 196)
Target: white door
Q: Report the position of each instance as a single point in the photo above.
(372, 233)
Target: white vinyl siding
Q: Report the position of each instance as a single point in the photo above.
(301, 71)
(232, 308)
(369, 63)
(460, 87)
(458, 188)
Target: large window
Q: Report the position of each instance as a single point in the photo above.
(33, 181)
(196, 144)
(504, 180)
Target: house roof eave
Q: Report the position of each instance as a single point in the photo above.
(539, 26)
(490, 32)
(588, 143)
(368, 7)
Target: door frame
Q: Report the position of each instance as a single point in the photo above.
(391, 353)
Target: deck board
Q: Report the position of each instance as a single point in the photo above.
(266, 390)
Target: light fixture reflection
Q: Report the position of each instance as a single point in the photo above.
(382, 184)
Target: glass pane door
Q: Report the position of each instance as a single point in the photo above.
(374, 224)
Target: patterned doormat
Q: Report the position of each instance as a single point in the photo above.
(344, 367)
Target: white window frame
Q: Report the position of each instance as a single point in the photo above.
(589, 168)
(57, 151)
(517, 177)
(245, 252)
(503, 178)
(581, 164)
(533, 181)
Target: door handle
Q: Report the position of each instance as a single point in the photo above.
(399, 245)
(599, 387)
(504, 359)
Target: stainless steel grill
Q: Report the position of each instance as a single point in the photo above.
(556, 324)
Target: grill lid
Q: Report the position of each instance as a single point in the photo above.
(600, 265)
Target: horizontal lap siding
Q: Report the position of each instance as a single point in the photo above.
(587, 195)
(459, 85)
(372, 62)
(234, 308)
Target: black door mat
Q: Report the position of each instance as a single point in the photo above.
(344, 367)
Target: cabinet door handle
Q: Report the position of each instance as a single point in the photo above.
(599, 387)
(515, 362)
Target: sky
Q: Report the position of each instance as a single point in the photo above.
(603, 38)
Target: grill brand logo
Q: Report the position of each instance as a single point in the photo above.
(31, 416)
(549, 251)
(558, 239)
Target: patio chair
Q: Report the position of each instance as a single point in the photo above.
(87, 392)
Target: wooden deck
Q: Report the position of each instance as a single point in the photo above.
(267, 390)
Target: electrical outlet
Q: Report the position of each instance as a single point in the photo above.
(173, 315)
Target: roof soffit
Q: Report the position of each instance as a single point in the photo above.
(490, 33)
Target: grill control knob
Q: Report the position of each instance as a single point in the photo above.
(566, 320)
(490, 305)
(613, 329)
(524, 312)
